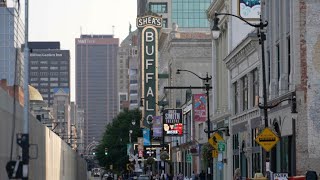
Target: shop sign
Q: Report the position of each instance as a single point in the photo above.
(172, 122)
(149, 62)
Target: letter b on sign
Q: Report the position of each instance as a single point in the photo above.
(149, 36)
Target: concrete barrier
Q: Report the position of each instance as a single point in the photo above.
(56, 160)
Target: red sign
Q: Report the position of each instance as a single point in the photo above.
(140, 153)
(199, 107)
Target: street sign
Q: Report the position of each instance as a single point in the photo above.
(189, 158)
(221, 146)
(214, 153)
(220, 165)
(214, 140)
(267, 139)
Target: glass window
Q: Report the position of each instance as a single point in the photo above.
(44, 79)
(44, 68)
(245, 93)
(289, 60)
(255, 87)
(54, 68)
(34, 68)
(269, 67)
(278, 60)
(235, 144)
(165, 23)
(64, 84)
(158, 7)
(256, 163)
(183, 11)
(235, 97)
(53, 79)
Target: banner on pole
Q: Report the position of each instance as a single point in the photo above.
(199, 107)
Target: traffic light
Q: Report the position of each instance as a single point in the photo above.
(105, 151)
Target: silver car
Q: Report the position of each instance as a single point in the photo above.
(143, 177)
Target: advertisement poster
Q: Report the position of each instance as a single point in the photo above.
(172, 122)
(157, 126)
(199, 107)
(249, 9)
(146, 137)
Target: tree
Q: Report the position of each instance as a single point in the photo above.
(116, 138)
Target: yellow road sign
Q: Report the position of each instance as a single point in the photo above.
(267, 139)
(215, 153)
(214, 140)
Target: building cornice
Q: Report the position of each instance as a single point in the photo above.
(216, 6)
(245, 48)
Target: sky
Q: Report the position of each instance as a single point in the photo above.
(62, 20)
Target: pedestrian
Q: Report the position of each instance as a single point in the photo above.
(193, 176)
(180, 176)
(237, 174)
(202, 175)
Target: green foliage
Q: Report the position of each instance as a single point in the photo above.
(206, 151)
(150, 160)
(116, 138)
(164, 156)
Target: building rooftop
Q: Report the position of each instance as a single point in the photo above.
(34, 94)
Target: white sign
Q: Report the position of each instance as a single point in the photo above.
(280, 176)
(178, 156)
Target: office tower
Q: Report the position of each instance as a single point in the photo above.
(189, 15)
(96, 82)
(49, 68)
(128, 69)
(11, 38)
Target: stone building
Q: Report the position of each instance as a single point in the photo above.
(189, 51)
(292, 57)
(291, 62)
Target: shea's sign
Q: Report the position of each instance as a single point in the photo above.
(172, 122)
(149, 62)
(149, 21)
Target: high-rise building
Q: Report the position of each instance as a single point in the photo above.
(96, 82)
(49, 68)
(128, 69)
(11, 38)
(189, 15)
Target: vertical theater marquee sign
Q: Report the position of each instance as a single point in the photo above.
(149, 26)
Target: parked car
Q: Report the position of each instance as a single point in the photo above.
(96, 172)
(143, 177)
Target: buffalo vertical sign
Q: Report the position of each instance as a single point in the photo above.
(149, 61)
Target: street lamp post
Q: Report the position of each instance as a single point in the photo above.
(207, 88)
(262, 37)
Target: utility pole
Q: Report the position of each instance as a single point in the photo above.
(19, 169)
(24, 141)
